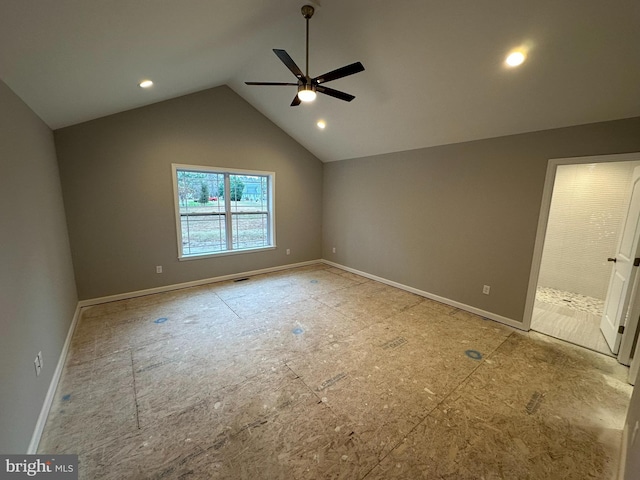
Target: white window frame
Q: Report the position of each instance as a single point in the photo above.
(228, 213)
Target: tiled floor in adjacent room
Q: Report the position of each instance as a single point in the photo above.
(570, 317)
(315, 373)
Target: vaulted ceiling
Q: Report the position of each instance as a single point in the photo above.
(434, 75)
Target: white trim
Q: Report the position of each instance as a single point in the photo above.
(630, 325)
(199, 256)
(543, 219)
(194, 283)
(623, 452)
(437, 298)
(176, 208)
(48, 399)
(541, 232)
(206, 168)
(635, 366)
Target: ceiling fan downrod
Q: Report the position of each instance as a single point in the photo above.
(307, 13)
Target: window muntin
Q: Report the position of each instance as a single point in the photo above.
(222, 211)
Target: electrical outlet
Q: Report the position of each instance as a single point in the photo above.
(486, 289)
(159, 269)
(288, 251)
(333, 249)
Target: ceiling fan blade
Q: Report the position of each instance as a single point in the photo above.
(288, 61)
(339, 73)
(335, 93)
(296, 101)
(269, 83)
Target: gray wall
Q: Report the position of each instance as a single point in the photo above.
(118, 194)
(448, 220)
(37, 289)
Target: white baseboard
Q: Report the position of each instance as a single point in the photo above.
(48, 400)
(431, 296)
(195, 283)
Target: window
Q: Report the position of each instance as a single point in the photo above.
(222, 211)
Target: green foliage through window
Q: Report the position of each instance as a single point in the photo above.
(204, 193)
(236, 187)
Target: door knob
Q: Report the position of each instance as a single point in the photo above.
(614, 260)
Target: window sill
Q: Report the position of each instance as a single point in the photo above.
(199, 256)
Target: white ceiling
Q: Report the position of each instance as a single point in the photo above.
(434, 69)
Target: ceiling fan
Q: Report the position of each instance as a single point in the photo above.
(307, 86)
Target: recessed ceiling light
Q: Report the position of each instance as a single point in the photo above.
(515, 58)
(145, 84)
(321, 124)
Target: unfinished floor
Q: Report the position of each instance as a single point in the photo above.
(317, 373)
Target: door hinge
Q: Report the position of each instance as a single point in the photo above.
(636, 262)
(621, 329)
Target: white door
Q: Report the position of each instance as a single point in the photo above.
(619, 293)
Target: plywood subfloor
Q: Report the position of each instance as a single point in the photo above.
(316, 373)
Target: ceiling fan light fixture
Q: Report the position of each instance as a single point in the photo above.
(307, 94)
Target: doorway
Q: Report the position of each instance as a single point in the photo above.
(584, 208)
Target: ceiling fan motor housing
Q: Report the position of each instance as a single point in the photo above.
(307, 11)
(306, 84)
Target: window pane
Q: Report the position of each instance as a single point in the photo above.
(202, 208)
(201, 192)
(203, 234)
(250, 230)
(249, 193)
(249, 211)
